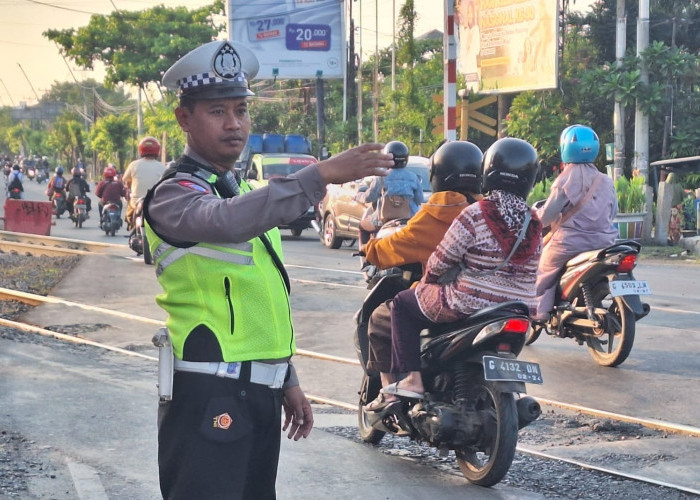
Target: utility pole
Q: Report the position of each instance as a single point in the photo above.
(139, 115)
(375, 104)
(359, 82)
(619, 111)
(641, 121)
(350, 73)
(393, 46)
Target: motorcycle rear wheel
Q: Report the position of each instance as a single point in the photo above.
(369, 390)
(615, 344)
(486, 465)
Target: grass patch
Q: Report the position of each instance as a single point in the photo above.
(666, 252)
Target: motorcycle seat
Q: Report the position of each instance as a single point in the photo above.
(583, 257)
(510, 308)
(592, 255)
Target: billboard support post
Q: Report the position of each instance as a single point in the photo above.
(320, 115)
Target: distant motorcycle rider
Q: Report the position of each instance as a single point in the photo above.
(14, 183)
(580, 210)
(76, 187)
(110, 189)
(400, 182)
(56, 184)
(142, 174)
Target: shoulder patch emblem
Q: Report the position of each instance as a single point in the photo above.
(193, 185)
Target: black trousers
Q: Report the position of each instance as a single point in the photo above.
(219, 439)
(379, 333)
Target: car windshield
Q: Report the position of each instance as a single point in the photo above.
(271, 170)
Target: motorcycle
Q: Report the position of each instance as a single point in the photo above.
(137, 237)
(42, 175)
(58, 200)
(31, 173)
(471, 375)
(111, 219)
(598, 303)
(79, 214)
(15, 193)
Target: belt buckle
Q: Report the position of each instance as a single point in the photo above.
(229, 370)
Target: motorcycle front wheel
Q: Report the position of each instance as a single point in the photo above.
(611, 344)
(486, 463)
(369, 390)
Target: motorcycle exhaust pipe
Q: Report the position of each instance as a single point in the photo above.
(316, 226)
(528, 410)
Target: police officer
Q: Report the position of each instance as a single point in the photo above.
(218, 258)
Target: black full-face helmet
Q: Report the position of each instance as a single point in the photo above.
(510, 165)
(456, 166)
(400, 152)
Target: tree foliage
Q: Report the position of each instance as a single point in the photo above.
(138, 47)
(112, 138)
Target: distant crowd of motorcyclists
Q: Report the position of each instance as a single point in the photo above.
(115, 187)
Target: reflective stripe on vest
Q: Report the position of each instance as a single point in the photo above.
(177, 253)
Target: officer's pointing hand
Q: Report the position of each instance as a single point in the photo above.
(355, 163)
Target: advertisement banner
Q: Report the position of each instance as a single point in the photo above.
(507, 45)
(292, 38)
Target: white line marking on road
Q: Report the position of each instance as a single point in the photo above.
(87, 482)
(673, 309)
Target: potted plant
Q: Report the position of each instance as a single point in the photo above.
(631, 206)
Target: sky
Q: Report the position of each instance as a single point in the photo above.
(31, 63)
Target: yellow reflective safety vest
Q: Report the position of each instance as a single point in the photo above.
(235, 290)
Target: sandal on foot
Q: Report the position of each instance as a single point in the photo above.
(397, 391)
(379, 403)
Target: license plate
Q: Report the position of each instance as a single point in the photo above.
(629, 287)
(511, 370)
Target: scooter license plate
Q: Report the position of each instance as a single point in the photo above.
(511, 370)
(629, 287)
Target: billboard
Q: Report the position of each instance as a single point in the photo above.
(507, 45)
(292, 38)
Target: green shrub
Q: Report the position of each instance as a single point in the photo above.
(631, 197)
(540, 191)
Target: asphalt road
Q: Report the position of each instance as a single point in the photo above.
(659, 380)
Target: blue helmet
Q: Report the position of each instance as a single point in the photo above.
(579, 144)
(59, 170)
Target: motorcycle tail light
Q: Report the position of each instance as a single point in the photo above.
(627, 263)
(80, 202)
(512, 325)
(516, 325)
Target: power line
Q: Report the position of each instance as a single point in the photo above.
(60, 7)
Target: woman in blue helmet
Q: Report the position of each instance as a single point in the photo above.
(580, 210)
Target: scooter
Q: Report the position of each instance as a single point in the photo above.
(42, 175)
(137, 237)
(598, 303)
(31, 173)
(79, 214)
(15, 193)
(111, 219)
(474, 402)
(58, 200)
